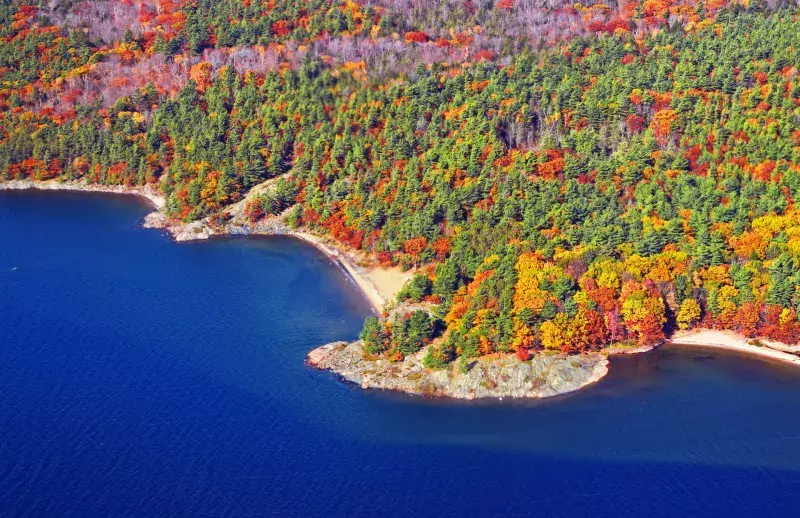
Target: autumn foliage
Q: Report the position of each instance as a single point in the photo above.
(554, 175)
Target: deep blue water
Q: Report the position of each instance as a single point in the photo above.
(140, 377)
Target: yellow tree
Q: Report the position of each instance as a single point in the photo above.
(688, 314)
(555, 333)
(646, 315)
(527, 294)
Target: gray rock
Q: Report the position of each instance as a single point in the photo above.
(194, 231)
(543, 376)
(155, 220)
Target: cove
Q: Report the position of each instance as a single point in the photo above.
(140, 377)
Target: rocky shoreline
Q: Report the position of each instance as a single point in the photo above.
(180, 231)
(545, 375)
(156, 198)
(203, 229)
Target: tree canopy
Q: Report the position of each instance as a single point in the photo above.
(559, 177)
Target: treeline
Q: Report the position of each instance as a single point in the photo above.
(609, 188)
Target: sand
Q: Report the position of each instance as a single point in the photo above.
(379, 285)
(730, 341)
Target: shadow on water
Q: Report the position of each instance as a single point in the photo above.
(674, 404)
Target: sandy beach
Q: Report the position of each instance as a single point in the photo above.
(731, 341)
(379, 285)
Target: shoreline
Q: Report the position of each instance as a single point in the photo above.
(377, 293)
(364, 283)
(731, 341)
(156, 199)
(546, 376)
(498, 377)
(541, 377)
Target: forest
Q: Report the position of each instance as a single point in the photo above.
(558, 175)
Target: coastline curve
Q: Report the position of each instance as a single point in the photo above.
(378, 292)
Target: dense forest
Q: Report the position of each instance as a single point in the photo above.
(559, 175)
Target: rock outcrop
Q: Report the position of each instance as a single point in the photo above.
(544, 375)
(155, 220)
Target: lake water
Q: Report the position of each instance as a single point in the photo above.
(140, 377)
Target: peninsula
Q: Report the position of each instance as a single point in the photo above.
(518, 189)
(500, 376)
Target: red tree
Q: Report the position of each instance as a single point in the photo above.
(415, 246)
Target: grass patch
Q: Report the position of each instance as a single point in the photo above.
(370, 357)
(489, 384)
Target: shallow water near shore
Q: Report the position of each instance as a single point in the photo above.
(140, 377)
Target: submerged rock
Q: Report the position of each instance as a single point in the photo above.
(543, 376)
